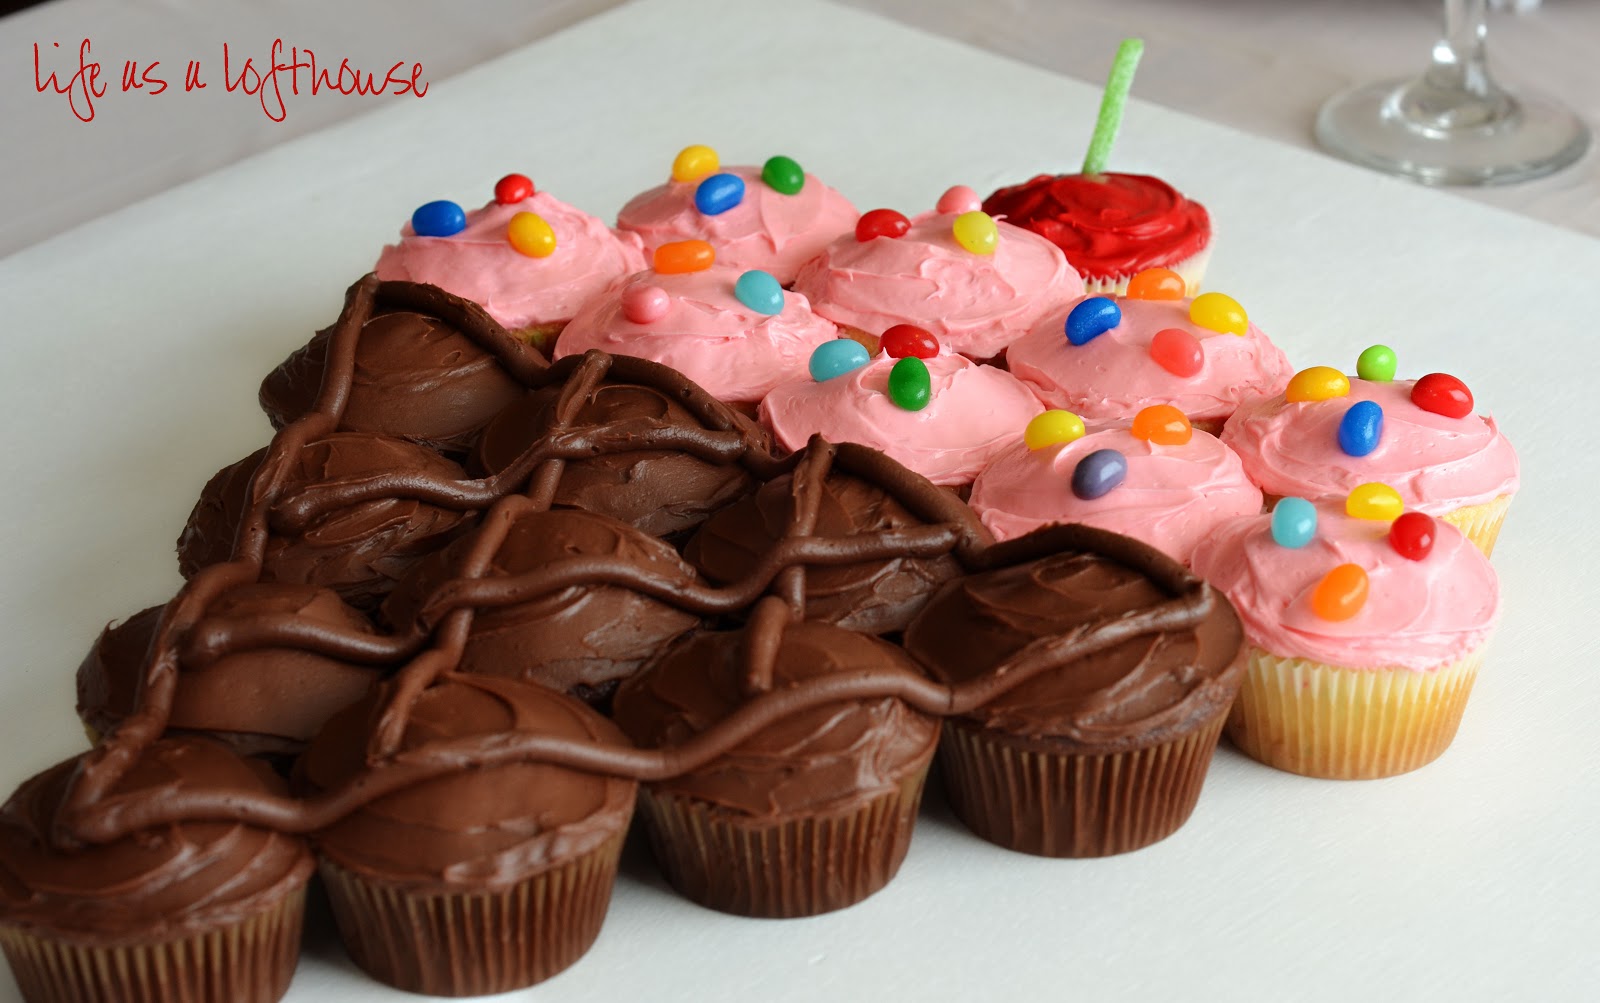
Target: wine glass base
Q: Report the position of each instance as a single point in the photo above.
(1370, 126)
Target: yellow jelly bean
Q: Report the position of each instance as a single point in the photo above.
(1220, 313)
(976, 231)
(1341, 593)
(1319, 383)
(1052, 427)
(1374, 501)
(695, 162)
(531, 235)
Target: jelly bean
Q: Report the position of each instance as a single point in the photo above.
(959, 199)
(1379, 502)
(531, 235)
(759, 291)
(881, 223)
(645, 304)
(1156, 284)
(1341, 593)
(1163, 425)
(680, 256)
(1361, 428)
(1443, 394)
(1412, 535)
(1052, 427)
(1294, 522)
(908, 341)
(513, 188)
(1319, 383)
(694, 162)
(1216, 312)
(1376, 364)
(976, 231)
(783, 175)
(1092, 317)
(910, 387)
(1178, 352)
(1097, 473)
(837, 357)
(719, 193)
(438, 219)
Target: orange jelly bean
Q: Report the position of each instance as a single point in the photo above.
(1341, 593)
(684, 256)
(1156, 284)
(1319, 383)
(1162, 424)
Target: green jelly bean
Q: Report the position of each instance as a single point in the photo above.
(783, 175)
(1376, 364)
(909, 384)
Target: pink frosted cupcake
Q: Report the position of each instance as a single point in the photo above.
(1159, 481)
(975, 283)
(1105, 358)
(942, 415)
(775, 217)
(1328, 434)
(736, 333)
(527, 258)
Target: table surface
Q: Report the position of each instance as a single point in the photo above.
(138, 341)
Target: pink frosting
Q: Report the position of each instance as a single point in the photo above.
(1113, 377)
(1172, 497)
(735, 353)
(518, 291)
(975, 304)
(974, 413)
(768, 230)
(1438, 464)
(1419, 615)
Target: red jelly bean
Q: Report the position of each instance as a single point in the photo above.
(1177, 351)
(909, 341)
(1156, 284)
(881, 223)
(1443, 394)
(1412, 535)
(513, 188)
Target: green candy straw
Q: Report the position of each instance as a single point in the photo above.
(1112, 104)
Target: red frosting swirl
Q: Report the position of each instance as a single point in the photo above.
(1109, 225)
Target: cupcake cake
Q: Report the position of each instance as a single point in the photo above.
(1327, 434)
(975, 283)
(1157, 480)
(1365, 633)
(774, 218)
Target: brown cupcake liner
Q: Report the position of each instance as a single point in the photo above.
(247, 961)
(1021, 794)
(1348, 724)
(474, 943)
(1481, 523)
(783, 869)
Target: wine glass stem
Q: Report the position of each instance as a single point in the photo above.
(1459, 62)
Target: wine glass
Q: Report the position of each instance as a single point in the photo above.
(1453, 125)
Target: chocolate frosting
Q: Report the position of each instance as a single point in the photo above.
(582, 639)
(823, 758)
(474, 828)
(173, 880)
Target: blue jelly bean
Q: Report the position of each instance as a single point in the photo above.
(1091, 318)
(439, 219)
(1361, 428)
(1294, 522)
(837, 357)
(1098, 473)
(719, 193)
(759, 291)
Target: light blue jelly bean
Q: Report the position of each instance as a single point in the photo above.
(837, 357)
(759, 291)
(1361, 428)
(1099, 472)
(439, 219)
(719, 193)
(1092, 318)
(1294, 522)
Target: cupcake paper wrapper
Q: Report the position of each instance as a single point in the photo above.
(474, 943)
(1348, 724)
(784, 868)
(249, 961)
(1192, 269)
(1022, 795)
(1481, 523)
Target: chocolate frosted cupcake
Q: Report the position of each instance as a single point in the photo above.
(813, 812)
(1106, 752)
(204, 912)
(477, 881)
